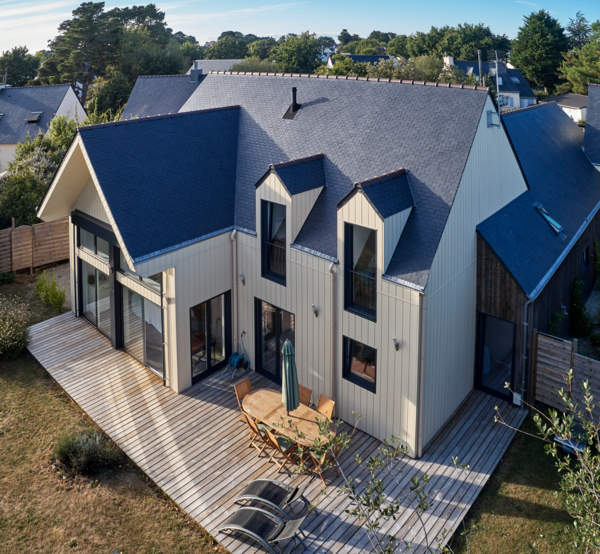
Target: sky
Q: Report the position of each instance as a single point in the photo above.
(32, 23)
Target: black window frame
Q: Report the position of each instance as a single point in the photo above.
(349, 305)
(210, 369)
(265, 206)
(347, 373)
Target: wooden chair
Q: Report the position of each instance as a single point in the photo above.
(305, 394)
(282, 445)
(325, 406)
(257, 432)
(326, 462)
(241, 390)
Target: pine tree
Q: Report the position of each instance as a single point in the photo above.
(537, 51)
(582, 66)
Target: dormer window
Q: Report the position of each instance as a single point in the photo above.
(360, 271)
(273, 228)
(33, 117)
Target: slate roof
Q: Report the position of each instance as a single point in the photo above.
(167, 180)
(214, 65)
(160, 94)
(592, 124)
(364, 128)
(16, 103)
(569, 100)
(389, 193)
(507, 74)
(301, 175)
(561, 178)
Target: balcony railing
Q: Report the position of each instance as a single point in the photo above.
(363, 292)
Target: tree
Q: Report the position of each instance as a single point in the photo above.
(582, 66)
(262, 48)
(254, 63)
(232, 34)
(379, 36)
(20, 66)
(191, 51)
(363, 47)
(345, 37)
(85, 47)
(326, 42)
(297, 54)
(397, 46)
(538, 49)
(227, 48)
(148, 17)
(578, 31)
(344, 66)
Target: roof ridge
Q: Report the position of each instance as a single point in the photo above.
(297, 161)
(10, 87)
(152, 76)
(593, 85)
(381, 178)
(528, 108)
(353, 78)
(154, 117)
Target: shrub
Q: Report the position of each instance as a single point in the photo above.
(595, 339)
(554, 326)
(597, 258)
(87, 451)
(49, 291)
(7, 277)
(14, 334)
(581, 322)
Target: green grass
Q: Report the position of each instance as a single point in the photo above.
(520, 510)
(46, 509)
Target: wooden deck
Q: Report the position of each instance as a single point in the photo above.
(194, 448)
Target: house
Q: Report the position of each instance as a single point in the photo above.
(574, 105)
(592, 126)
(213, 65)
(327, 52)
(531, 251)
(513, 88)
(28, 111)
(358, 59)
(283, 206)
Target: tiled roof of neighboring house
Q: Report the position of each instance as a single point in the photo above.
(389, 193)
(364, 128)
(569, 100)
(167, 180)
(17, 103)
(512, 80)
(160, 94)
(592, 125)
(302, 174)
(364, 59)
(214, 65)
(561, 179)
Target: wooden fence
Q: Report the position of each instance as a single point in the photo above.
(33, 246)
(551, 360)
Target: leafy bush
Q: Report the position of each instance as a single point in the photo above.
(87, 451)
(597, 258)
(14, 334)
(555, 321)
(49, 291)
(581, 322)
(7, 277)
(595, 339)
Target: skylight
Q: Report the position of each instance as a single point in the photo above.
(515, 79)
(556, 226)
(33, 117)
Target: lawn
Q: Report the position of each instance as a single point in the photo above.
(45, 510)
(520, 510)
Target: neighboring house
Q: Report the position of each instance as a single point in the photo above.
(511, 85)
(592, 126)
(574, 105)
(531, 251)
(357, 59)
(246, 218)
(213, 65)
(28, 111)
(328, 51)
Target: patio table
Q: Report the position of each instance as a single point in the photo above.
(266, 406)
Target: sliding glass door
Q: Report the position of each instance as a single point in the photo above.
(95, 297)
(273, 327)
(142, 330)
(209, 336)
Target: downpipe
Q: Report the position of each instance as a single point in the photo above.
(524, 353)
(332, 330)
(234, 285)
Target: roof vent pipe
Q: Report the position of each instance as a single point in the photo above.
(295, 106)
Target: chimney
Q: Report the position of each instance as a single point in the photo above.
(448, 60)
(195, 73)
(295, 106)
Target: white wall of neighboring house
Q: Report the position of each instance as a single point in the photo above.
(576, 114)
(71, 107)
(492, 178)
(7, 153)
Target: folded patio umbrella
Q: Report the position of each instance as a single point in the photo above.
(290, 393)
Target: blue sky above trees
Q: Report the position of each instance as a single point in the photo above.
(32, 23)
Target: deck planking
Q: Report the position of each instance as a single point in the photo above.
(193, 446)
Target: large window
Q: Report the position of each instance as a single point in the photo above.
(360, 273)
(95, 298)
(93, 244)
(154, 281)
(273, 327)
(142, 330)
(209, 336)
(360, 364)
(273, 241)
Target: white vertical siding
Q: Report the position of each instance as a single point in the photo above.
(169, 307)
(89, 202)
(392, 229)
(491, 179)
(71, 107)
(302, 204)
(392, 410)
(72, 265)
